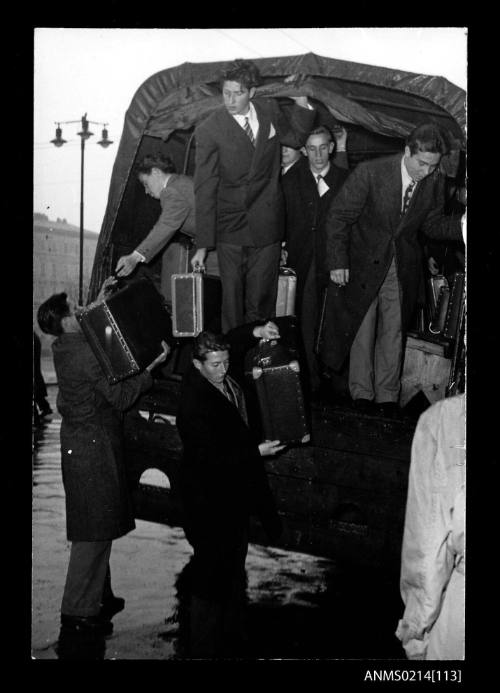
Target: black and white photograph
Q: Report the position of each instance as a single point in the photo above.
(249, 347)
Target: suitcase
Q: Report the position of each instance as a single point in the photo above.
(274, 368)
(196, 303)
(125, 331)
(436, 326)
(175, 260)
(287, 286)
(455, 306)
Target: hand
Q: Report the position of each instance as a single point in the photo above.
(301, 101)
(267, 331)
(198, 259)
(433, 266)
(105, 289)
(340, 135)
(340, 276)
(161, 358)
(126, 265)
(270, 447)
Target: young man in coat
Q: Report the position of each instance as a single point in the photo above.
(307, 199)
(175, 191)
(375, 261)
(238, 199)
(223, 481)
(98, 505)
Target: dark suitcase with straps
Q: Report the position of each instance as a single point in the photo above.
(274, 368)
(125, 330)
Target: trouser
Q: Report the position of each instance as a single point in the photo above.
(308, 321)
(249, 279)
(217, 609)
(376, 353)
(86, 577)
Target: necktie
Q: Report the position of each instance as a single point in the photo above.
(230, 394)
(248, 131)
(322, 186)
(407, 197)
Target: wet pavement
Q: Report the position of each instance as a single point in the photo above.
(299, 606)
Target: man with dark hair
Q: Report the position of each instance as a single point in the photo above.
(375, 261)
(309, 188)
(98, 504)
(175, 191)
(223, 481)
(239, 205)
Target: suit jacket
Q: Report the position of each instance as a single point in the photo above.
(98, 504)
(365, 230)
(177, 214)
(305, 212)
(237, 192)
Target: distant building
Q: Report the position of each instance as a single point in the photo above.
(56, 260)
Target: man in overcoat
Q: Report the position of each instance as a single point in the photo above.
(98, 504)
(223, 482)
(309, 187)
(238, 199)
(375, 260)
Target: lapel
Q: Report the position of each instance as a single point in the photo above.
(230, 127)
(262, 135)
(390, 191)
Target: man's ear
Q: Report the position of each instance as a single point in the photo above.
(331, 148)
(303, 151)
(407, 152)
(251, 92)
(197, 363)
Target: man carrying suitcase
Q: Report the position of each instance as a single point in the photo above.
(223, 481)
(98, 504)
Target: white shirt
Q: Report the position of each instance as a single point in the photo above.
(322, 185)
(406, 180)
(253, 121)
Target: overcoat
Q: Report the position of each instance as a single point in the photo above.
(223, 480)
(238, 197)
(365, 230)
(305, 212)
(98, 504)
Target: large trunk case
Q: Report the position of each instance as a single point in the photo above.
(274, 368)
(287, 287)
(125, 331)
(196, 303)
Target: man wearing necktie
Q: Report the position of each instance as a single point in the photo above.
(309, 188)
(375, 260)
(238, 199)
(223, 482)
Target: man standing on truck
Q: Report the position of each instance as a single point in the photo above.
(238, 200)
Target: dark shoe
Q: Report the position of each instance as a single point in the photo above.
(390, 410)
(110, 607)
(86, 625)
(364, 406)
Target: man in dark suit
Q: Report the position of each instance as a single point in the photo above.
(309, 188)
(223, 481)
(375, 259)
(238, 199)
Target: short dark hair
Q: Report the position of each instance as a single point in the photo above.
(427, 137)
(208, 341)
(245, 72)
(156, 160)
(320, 130)
(51, 313)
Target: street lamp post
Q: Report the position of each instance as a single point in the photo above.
(84, 135)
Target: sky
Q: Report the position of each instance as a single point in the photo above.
(98, 71)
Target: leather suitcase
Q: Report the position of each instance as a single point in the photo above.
(125, 331)
(175, 260)
(274, 368)
(196, 303)
(287, 286)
